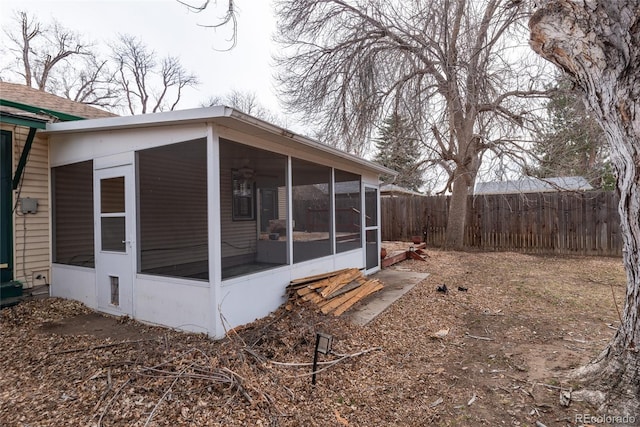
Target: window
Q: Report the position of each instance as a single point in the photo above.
(112, 214)
(243, 194)
(172, 214)
(73, 239)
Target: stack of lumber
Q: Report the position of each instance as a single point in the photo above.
(334, 292)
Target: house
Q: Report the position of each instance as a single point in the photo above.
(24, 190)
(393, 190)
(533, 185)
(199, 219)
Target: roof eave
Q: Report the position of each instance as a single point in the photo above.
(206, 115)
(300, 139)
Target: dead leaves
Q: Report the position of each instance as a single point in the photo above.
(425, 356)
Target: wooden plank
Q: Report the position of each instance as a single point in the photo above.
(330, 281)
(340, 281)
(414, 255)
(394, 259)
(367, 289)
(313, 297)
(336, 302)
(304, 291)
(317, 277)
(350, 286)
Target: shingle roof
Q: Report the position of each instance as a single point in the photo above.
(533, 185)
(37, 98)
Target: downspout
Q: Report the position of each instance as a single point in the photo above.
(23, 157)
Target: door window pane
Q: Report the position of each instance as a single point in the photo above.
(112, 195)
(113, 233)
(373, 255)
(371, 206)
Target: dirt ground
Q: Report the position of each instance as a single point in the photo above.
(495, 354)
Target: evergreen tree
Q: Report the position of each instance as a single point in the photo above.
(572, 143)
(399, 150)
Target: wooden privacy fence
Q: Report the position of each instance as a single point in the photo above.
(578, 223)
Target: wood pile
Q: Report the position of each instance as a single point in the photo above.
(333, 292)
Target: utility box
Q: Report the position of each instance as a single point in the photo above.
(28, 205)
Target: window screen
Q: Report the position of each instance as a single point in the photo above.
(73, 240)
(311, 210)
(172, 213)
(348, 211)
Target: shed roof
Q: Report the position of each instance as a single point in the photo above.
(47, 102)
(218, 115)
(533, 185)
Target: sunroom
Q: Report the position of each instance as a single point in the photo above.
(198, 219)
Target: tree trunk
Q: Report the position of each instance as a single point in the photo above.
(598, 43)
(457, 211)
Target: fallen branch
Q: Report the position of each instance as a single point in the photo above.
(342, 357)
(106, 408)
(238, 384)
(106, 391)
(477, 337)
(155, 408)
(260, 358)
(335, 362)
(98, 347)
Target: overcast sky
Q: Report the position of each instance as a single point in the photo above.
(170, 28)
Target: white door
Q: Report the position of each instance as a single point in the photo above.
(114, 231)
(372, 229)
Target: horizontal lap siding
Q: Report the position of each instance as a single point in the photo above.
(238, 237)
(32, 231)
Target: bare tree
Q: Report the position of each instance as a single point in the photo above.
(54, 59)
(149, 84)
(453, 68)
(228, 20)
(247, 102)
(598, 44)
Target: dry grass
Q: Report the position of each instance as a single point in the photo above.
(512, 337)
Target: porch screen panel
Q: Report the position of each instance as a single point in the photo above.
(253, 209)
(172, 212)
(347, 207)
(311, 210)
(72, 211)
